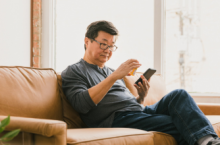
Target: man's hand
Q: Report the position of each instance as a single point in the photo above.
(142, 89)
(125, 68)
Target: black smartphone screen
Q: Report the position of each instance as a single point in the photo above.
(147, 75)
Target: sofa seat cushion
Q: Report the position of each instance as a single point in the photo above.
(121, 136)
(215, 121)
(126, 136)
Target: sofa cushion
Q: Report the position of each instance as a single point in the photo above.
(29, 92)
(126, 136)
(215, 121)
(157, 88)
(120, 136)
(70, 116)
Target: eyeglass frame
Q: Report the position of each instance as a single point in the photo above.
(105, 44)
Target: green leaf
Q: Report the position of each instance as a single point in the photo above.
(9, 136)
(5, 122)
(2, 129)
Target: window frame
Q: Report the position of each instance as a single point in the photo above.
(159, 35)
(48, 52)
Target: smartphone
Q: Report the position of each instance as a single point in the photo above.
(147, 75)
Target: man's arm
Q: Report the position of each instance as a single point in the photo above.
(100, 90)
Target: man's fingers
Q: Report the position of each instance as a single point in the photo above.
(137, 87)
(144, 80)
(146, 84)
(141, 86)
(133, 64)
(132, 60)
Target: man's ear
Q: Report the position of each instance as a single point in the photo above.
(86, 41)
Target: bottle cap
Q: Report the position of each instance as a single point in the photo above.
(133, 72)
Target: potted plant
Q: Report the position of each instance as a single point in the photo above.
(10, 135)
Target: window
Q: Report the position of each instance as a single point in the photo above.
(192, 45)
(133, 19)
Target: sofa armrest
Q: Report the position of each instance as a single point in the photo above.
(210, 108)
(43, 127)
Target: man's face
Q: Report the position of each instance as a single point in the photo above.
(94, 52)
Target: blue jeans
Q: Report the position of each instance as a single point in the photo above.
(176, 114)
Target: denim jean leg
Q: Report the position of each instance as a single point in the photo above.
(148, 122)
(186, 115)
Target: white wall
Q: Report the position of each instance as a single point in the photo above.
(133, 19)
(15, 32)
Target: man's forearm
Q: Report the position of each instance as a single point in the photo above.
(100, 90)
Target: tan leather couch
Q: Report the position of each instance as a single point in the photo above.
(34, 99)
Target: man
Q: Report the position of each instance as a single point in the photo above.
(101, 98)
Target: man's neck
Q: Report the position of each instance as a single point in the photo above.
(101, 65)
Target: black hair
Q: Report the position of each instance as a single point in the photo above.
(95, 27)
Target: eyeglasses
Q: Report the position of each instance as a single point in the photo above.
(105, 46)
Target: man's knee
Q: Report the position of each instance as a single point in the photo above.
(181, 93)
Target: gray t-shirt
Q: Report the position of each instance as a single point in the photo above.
(79, 77)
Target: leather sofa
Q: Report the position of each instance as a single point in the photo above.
(35, 101)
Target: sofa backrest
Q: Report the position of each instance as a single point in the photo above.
(157, 88)
(70, 116)
(156, 92)
(29, 92)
